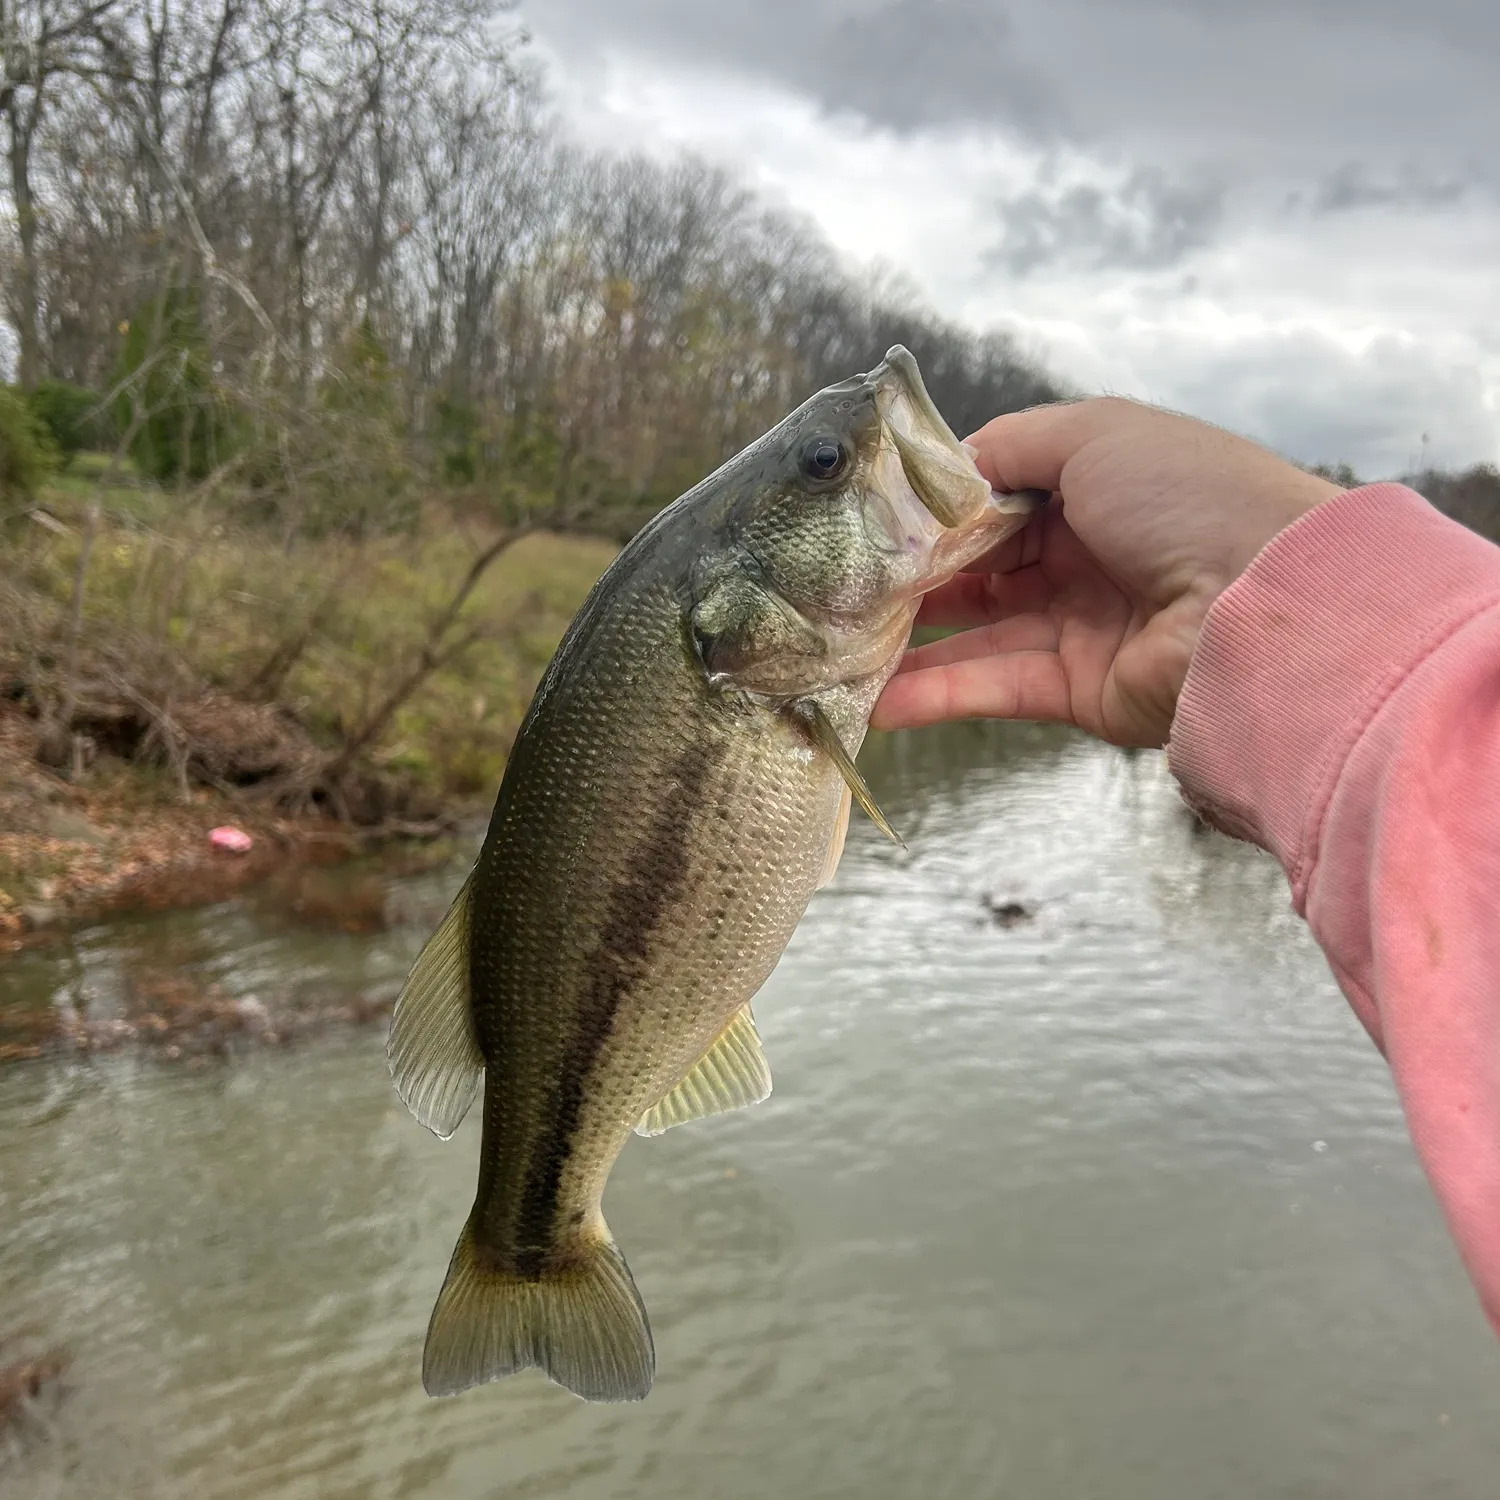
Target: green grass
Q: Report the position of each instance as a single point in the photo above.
(173, 580)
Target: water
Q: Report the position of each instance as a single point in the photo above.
(1112, 1203)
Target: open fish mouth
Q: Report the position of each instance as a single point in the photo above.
(937, 468)
(907, 409)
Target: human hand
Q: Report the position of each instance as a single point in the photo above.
(1089, 616)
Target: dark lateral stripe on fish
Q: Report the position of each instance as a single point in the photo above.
(656, 874)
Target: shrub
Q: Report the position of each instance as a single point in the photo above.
(334, 464)
(27, 452)
(71, 415)
(456, 424)
(190, 428)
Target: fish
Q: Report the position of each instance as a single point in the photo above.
(680, 787)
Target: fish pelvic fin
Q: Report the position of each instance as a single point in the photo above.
(583, 1325)
(822, 733)
(733, 1073)
(432, 1051)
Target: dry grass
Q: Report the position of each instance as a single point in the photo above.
(179, 589)
(216, 659)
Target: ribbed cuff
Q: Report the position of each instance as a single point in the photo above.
(1299, 654)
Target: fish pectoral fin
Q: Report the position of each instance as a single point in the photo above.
(583, 1324)
(732, 1074)
(836, 843)
(826, 738)
(432, 1051)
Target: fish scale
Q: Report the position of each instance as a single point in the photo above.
(676, 793)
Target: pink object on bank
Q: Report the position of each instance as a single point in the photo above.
(236, 840)
(1342, 710)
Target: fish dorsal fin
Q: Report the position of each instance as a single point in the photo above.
(433, 1054)
(731, 1074)
(836, 843)
(822, 733)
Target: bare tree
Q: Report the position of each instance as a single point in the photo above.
(345, 241)
(40, 41)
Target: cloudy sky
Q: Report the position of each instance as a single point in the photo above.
(1283, 215)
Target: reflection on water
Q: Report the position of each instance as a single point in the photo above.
(1112, 1202)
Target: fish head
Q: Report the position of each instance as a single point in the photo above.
(838, 520)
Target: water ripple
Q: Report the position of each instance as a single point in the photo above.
(1112, 1200)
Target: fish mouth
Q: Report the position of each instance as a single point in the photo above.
(897, 376)
(938, 469)
(927, 497)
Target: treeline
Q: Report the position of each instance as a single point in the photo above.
(351, 319)
(1471, 496)
(339, 244)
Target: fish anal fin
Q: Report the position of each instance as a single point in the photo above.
(836, 843)
(433, 1055)
(732, 1074)
(582, 1324)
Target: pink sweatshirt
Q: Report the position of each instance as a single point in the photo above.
(1342, 710)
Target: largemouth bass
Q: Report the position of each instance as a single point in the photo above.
(679, 788)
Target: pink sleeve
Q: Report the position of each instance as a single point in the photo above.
(1343, 711)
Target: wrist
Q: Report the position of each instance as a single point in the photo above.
(1292, 495)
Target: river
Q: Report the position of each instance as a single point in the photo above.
(1112, 1201)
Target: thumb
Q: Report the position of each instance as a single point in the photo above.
(1027, 450)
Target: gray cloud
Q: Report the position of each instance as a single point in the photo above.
(1353, 186)
(898, 64)
(1317, 403)
(1257, 133)
(911, 63)
(903, 64)
(1148, 223)
(1279, 88)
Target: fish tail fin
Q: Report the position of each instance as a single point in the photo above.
(583, 1324)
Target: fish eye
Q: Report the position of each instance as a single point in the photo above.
(824, 458)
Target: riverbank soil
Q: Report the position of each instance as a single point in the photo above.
(121, 839)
